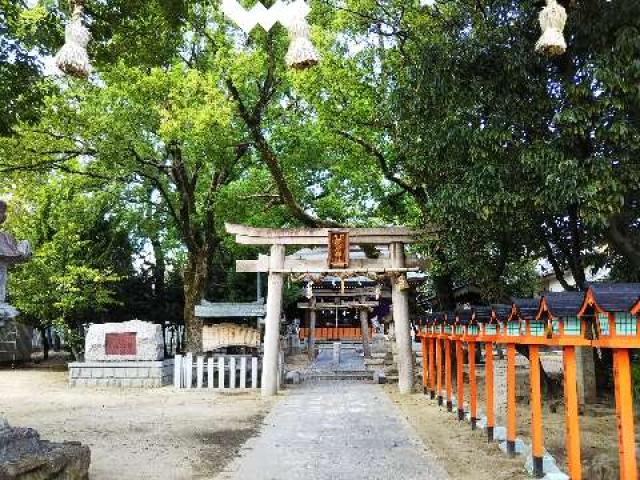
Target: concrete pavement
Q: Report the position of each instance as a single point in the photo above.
(335, 430)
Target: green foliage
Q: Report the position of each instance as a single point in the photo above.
(77, 261)
(21, 86)
(438, 117)
(635, 378)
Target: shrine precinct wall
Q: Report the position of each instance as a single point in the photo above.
(128, 354)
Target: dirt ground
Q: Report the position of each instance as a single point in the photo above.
(598, 430)
(464, 454)
(134, 434)
(477, 460)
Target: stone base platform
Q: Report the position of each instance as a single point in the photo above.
(136, 374)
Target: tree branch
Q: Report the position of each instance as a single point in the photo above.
(271, 161)
(553, 260)
(382, 162)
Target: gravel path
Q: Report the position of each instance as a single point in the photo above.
(335, 430)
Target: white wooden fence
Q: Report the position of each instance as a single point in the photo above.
(219, 371)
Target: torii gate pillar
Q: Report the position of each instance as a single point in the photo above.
(400, 300)
(272, 322)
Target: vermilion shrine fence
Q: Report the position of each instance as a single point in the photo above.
(333, 333)
(606, 316)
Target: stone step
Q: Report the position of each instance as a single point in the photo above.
(340, 376)
(392, 378)
(374, 361)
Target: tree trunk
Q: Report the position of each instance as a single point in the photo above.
(195, 279)
(548, 386)
(576, 263)
(619, 237)
(364, 329)
(311, 339)
(443, 286)
(159, 275)
(45, 342)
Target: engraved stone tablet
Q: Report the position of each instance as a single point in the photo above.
(120, 343)
(133, 340)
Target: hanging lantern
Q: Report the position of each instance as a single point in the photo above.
(378, 291)
(301, 54)
(552, 20)
(73, 58)
(309, 290)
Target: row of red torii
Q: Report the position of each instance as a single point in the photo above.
(338, 242)
(605, 316)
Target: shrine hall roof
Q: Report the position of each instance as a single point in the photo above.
(464, 315)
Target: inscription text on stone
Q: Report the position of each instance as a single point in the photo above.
(120, 343)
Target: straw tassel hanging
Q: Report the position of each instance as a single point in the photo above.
(301, 54)
(73, 58)
(552, 20)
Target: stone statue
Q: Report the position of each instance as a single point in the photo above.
(11, 252)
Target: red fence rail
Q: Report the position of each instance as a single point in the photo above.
(333, 333)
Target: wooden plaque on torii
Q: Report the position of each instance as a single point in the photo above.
(338, 252)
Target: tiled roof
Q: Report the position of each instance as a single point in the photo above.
(482, 314)
(528, 307)
(502, 311)
(464, 315)
(564, 304)
(615, 297)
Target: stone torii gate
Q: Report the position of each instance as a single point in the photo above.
(338, 263)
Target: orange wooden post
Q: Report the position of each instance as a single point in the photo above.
(425, 364)
(616, 388)
(572, 422)
(488, 386)
(439, 369)
(432, 370)
(447, 373)
(537, 451)
(473, 393)
(511, 399)
(460, 379)
(624, 414)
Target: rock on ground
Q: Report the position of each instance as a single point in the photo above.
(24, 456)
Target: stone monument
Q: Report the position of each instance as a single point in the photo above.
(15, 339)
(24, 456)
(127, 354)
